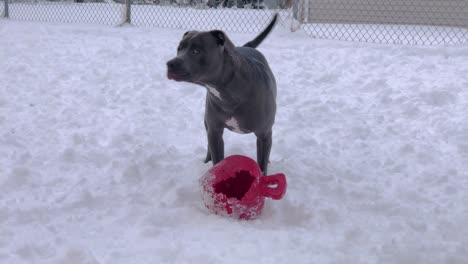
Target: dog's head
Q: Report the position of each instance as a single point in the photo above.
(199, 56)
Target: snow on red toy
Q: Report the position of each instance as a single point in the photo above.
(236, 187)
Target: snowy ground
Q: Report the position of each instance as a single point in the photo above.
(100, 154)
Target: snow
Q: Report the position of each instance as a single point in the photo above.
(100, 154)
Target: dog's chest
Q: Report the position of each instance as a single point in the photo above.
(233, 125)
(214, 92)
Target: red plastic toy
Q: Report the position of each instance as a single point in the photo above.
(236, 187)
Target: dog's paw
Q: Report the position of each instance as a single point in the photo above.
(208, 158)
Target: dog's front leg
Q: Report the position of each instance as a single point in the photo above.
(208, 154)
(264, 141)
(215, 145)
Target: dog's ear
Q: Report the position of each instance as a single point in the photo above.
(220, 36)
(189, 33)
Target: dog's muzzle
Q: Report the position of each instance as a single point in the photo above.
(176, 71)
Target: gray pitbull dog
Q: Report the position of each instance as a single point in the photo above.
(241, 87)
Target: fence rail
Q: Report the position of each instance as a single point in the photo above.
(414, 22)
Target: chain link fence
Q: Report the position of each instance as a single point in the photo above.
(3, 11)
(414, 22)
(200, 16)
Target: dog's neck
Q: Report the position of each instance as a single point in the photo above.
(222, 92)
(227, 69)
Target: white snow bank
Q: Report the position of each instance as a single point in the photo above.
(100, 154)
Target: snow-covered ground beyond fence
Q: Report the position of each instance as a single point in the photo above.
(100, 154)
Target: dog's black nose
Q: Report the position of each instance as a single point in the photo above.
(170, 64)
(173, 64)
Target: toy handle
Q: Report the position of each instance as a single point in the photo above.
(279, 190)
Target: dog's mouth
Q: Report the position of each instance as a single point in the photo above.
(177, 76)
(172, 76)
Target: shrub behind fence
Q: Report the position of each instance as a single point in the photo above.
(416, 22)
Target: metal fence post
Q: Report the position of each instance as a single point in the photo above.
(128, 14)
(5, 10)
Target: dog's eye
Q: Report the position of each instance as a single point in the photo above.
(196, 51)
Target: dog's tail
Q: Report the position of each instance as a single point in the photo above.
(255, 42)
